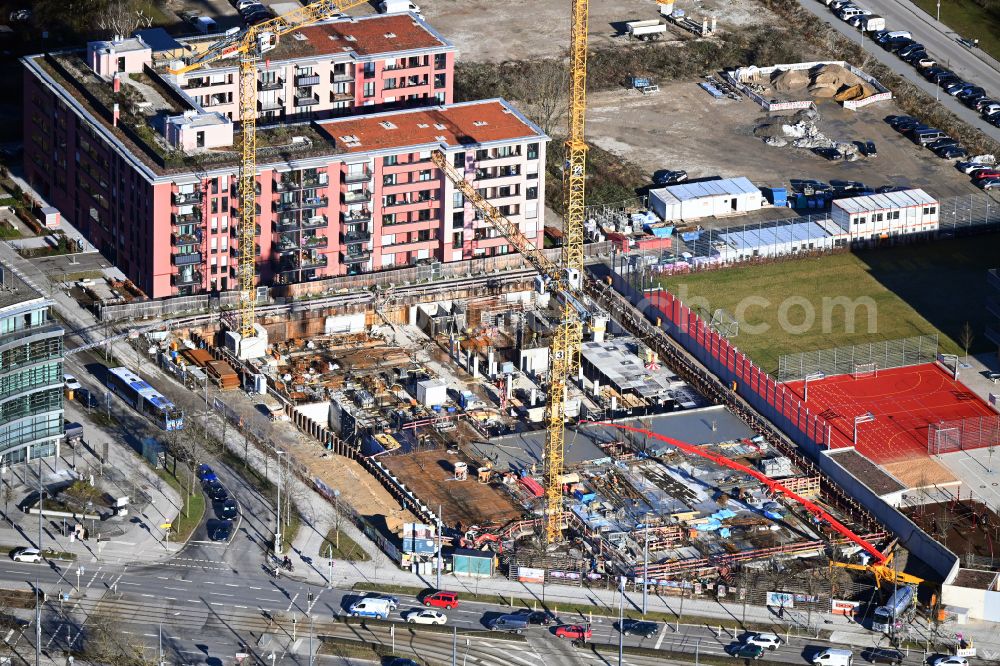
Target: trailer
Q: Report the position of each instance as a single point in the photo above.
(646, 30)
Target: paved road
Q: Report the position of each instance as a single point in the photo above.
(940, 43)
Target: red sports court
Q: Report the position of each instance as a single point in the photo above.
(904, 402)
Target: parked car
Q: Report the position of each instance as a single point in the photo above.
(988, 107)
(447, 600)
(931, 73)
(868, 148)
(216, 491)
(942, 143)
(913, 57)
(576, 632)
(543, 618)
(639, 628)
(86, 398)
(989, 183)
(764, 640)
(925, 62)
(831, 154)
(951, 152)
(24, 554)
(910, 48)
(426, 616)
(665, 177)
(206, 474)
(954, 88)
(986, 174)
(70, 383)
(882, 656)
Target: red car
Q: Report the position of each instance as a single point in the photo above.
(447, 600)
(575, 632)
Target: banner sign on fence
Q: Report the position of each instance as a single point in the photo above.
(530, 575)
(780, 600)
(844, 607)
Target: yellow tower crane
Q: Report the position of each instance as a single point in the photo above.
(249, 45)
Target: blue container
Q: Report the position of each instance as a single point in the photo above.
(778, 196)
(639, 82)
(691, 236)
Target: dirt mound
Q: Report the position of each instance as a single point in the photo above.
(789, 80)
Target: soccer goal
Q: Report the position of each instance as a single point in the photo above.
(950, 364)
(865, 370)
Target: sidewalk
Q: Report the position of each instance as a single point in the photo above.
(137, 537)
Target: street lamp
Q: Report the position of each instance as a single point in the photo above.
(811, 377)
(867, 417)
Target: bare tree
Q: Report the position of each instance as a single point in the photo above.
(542, 88)
(122, 18)
(966, 336)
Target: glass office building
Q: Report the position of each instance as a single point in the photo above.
(31, 374)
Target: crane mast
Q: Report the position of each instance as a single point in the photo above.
(250, 45)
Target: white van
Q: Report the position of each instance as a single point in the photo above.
(834, 657)
(399, 7)
(371, 607)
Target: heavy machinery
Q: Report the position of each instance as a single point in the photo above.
(881, 565)
(249, 45)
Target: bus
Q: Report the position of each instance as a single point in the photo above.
(144, 399)
(889, 618)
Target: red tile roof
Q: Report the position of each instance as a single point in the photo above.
(455, 125)
(370, 36)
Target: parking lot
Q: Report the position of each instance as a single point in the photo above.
(668, 130)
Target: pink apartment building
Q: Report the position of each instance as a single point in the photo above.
(152, 184)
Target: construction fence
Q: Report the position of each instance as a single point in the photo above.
(884, 354)
(976, 432)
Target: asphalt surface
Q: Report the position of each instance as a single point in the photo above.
(941, 45)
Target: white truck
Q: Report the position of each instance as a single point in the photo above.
(399, 7)
(646, 30)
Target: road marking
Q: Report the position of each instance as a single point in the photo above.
(292, 602)
(256, 588)
(243, 607)
(147, 595)
(220, 594)
(175, 589)
(163, 577)
(231, 585)
(125, 582)
(215, 603)
(170, 598)
(663, 634)
(194, 601)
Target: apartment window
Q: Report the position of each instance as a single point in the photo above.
(389, 84)
(505, 151)
(224, 243)
(423, 216)
(369, 70)
(423, 235)
(456, 242)
(482, 154)
(531, 210)
(458, 219)
(414, 61)
(215, 186)
(457, 200)
(440, 80)
(214, 245)
(304, 71)
(389, 179)
(532, 151)
(340, 69)
(459, 160)
(369, 89)
(531, 193)
(440, 97)
(215, 205)
(389, 218)
(389, 200)
(215, 224)
(930, 210)
(440, 60)
(390, 160)
(424, 175)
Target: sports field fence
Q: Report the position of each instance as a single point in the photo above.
(976, 432)
(848, 360)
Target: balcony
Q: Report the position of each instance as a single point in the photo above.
(362, 176)
(346, 77)
(310, 202)
(503, 172)
(185, 278)
(314, 222)
(306, 100)
(359, 257)
(342, 97)
(188, 259)
(271, 104)
(357, 236)
(288, 183)
(314, 261)
(316, 242)
(305, 80)
(185, 198)
(363, 215)
(357, 196)
(276, 83)
(498, 156)
(186, 239)
(194, 217)
(315, 180)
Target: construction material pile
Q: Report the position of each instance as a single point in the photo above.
(820, 82)
(800, 131)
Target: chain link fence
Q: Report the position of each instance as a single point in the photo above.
(883, 354)
(976, 432)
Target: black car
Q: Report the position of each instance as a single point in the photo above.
(86, 398)
(870, 150)
(909, 126)
(219, 530)
(942, 143)
(831, 154)
(882, 656)
(227, 509)
(914, 56)
(899, 45)
(946, 80)
(639, 628)
(665, 177)
(951, 153)
(543, 618)
(216, 491)
(910, 48)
